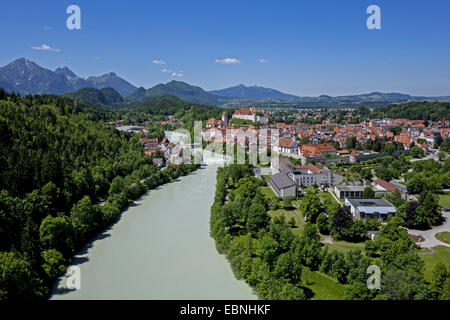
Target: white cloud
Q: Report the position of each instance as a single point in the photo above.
(227, 61)
(264, 60)
(46, 48)
(98, 58)
(158, 62)
(172, 73)
(47, 28)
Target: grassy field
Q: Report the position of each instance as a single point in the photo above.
(442, 255)
(288, 214)
(268, 192)
(328, 200)
(444, 200)
(345, 246)
(323, 286)
(441, 236)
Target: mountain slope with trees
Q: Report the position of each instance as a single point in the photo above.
(105, 96)
(57, 161)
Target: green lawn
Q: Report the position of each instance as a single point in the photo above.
(268, 192)
(345, 246)
(441, 236)
(325, 195)
(329, 201)
(442, 255)
(323, 286)
(444, 200)
(288, 214)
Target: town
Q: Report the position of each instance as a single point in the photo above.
(347, 160)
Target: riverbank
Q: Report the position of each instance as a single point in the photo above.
(159, 249)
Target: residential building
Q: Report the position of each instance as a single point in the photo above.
(317, 150)
(287, 145)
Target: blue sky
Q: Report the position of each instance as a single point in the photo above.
(309, 47)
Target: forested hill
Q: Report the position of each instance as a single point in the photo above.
(104, 96)
(171, 105)
(45, 140)
(423, 110)
(56, 161)
(167, 105)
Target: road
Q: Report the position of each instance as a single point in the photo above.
(428, 157)
(429, 235)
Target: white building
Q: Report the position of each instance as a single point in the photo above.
(309, 175)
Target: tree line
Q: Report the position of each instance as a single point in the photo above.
(271, 258)
(57, 162)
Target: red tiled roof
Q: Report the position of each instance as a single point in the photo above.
(286, 142)
(386, 185)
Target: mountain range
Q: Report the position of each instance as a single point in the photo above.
(180, 90)
(251, 92)
(25, 76)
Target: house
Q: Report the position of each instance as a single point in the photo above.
(382, 186)
(317, 150)
(343, 192)
(287, 145)
(377, 208)
(282, 185)
(214, 123)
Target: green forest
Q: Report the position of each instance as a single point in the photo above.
(58, 161)
(415, 110)
(274, 260)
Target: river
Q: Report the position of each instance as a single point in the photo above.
(159, 249)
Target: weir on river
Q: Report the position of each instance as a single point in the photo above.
(160, 248)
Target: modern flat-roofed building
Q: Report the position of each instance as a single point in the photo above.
(377, 208)
(343, 192)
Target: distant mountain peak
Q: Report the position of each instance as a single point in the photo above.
(23, 62)
(179, 89)
(65, 71)
(251, 92)
(25, 76)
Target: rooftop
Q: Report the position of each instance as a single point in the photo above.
(281, 180)
(350, 188)
(372, 202)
